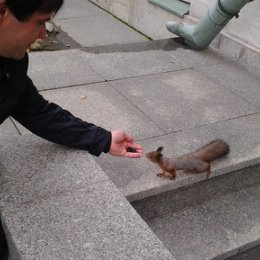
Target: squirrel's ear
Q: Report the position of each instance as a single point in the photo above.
(160, 149)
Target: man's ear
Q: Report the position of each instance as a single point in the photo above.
(3, 9)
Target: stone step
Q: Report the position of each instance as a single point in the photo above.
(188, 195)
(216, 219)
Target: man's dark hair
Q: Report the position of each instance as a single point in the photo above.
(23, 9)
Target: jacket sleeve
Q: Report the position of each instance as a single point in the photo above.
(55, 124)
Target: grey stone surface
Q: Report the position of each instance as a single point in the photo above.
(90, 223)
(177, 199)
(20, 128)
(251, 59)
(74, 67)
(191, 234)
(32, 167)
(208, 57)
(137, 179)
(236, 79)
(225, 44)
(182, 99)
(239, 214)
(104, 106)
(132, 64)
(78, 8)
(160, 115)
(61, 69)
(7, 129)
(248, 55)
(89, 25)
(215, 229)
(99, 29)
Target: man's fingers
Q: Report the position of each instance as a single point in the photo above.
(133, 155)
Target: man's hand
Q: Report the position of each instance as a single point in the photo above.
(122, 145)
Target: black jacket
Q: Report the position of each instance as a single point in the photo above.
(20, 99)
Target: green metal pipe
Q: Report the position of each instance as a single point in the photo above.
(199, 36)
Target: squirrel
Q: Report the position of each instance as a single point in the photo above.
(197, 161)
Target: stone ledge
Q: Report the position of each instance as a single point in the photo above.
(91, 223)
(179, 198)
(34, 168)
(57, 203)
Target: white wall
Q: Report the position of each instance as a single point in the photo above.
(151, 19)
(142, 15)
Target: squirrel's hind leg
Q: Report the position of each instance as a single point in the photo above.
(173, 174)
(208, 171)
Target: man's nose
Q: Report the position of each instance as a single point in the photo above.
(42, 34)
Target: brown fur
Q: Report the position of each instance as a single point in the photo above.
(193, 162)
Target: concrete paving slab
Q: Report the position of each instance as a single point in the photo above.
(104, 106)
(32, 167)
(188, 234)
(207, 57)
(137, 178)
(60, 69)
(132, 64)
(76, 9)
(239, 214)
(236, 79)
(7, 129)
(91, 223)
(97, 30)
(74, 67)
(169, 98)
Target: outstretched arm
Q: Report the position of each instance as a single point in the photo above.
(55, 124)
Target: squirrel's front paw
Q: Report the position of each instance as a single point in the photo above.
(173, 177)
(160, 174)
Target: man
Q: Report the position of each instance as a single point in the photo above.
(21, 23)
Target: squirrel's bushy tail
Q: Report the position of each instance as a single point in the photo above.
(212, 150)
